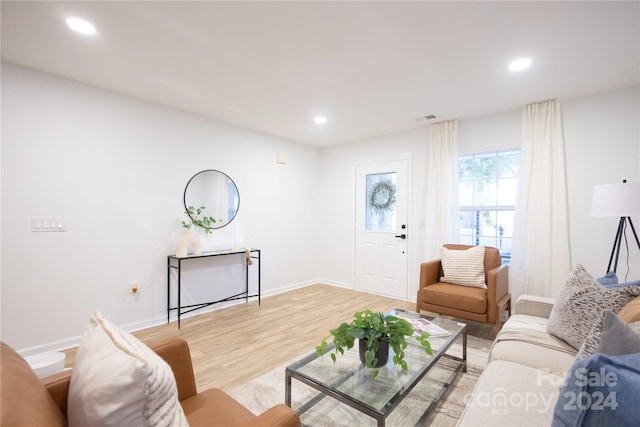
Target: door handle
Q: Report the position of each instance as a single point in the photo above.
(402, 236)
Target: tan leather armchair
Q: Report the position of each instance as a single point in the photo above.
(477, 304)
(28, 401)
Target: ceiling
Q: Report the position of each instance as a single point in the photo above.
(371, 68)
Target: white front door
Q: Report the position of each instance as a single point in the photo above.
(382, 228)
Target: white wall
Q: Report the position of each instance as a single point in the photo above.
(115, 168)
(602, 146)
(490, 133)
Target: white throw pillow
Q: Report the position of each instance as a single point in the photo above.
(118, 381)
(463, 267)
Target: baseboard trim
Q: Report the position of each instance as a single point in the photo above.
(71, 342)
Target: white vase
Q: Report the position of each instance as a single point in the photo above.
(187, 241)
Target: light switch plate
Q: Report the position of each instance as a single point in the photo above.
(39, 223)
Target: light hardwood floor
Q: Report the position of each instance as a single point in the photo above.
(234, 345)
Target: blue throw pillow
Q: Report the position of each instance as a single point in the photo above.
(622, 285)
(608, 279)
(600, 390)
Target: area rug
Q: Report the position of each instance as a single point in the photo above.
(268, 390)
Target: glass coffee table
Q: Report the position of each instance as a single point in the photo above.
(350, 396)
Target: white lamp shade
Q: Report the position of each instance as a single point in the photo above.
(616, 200)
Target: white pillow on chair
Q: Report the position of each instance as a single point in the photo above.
(463, 267)
(118, 381)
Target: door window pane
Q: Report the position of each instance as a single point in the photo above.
(381, 202)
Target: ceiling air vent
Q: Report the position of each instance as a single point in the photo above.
(429, 117)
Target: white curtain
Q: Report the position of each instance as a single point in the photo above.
(541, 259)
(441, 214)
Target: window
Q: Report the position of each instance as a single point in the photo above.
(487, 197)
(381, 202)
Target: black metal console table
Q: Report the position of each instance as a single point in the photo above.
(174, 262)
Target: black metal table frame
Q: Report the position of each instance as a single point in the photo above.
(171, 264)
(377, 415)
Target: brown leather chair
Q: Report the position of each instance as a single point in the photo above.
(29, 401)
(477, 304)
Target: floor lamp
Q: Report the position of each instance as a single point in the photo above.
(617, 200)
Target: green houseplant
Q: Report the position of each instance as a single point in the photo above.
(375, 328)
(205, 222)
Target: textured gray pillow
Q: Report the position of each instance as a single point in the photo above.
(580, 307)
(591, 343)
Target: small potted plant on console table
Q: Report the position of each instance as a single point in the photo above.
(187, 239)
(376, 332)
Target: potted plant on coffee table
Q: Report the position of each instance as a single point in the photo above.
(376, 333)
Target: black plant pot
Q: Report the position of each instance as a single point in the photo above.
(382, 355)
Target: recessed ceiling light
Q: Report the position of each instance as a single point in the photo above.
(520, 64)
(320, 120)
(81, 26)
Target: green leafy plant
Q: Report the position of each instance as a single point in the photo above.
(205, 222)
(375, 328)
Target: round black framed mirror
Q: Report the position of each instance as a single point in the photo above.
(217, 193)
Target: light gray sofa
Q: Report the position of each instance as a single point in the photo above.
(526, 370)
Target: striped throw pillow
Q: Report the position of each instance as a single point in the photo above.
(119, 381)
(463, 267)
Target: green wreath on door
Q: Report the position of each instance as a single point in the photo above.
(382, 197)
